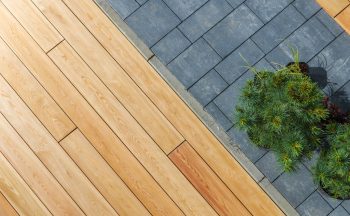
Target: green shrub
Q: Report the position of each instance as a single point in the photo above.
(282, 111)
(332, 171)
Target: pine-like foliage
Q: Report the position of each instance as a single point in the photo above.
(282, 111)
(332, 171)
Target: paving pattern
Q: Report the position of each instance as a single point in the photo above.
(208, 44)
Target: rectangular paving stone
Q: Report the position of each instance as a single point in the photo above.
(141, 2)
(330, 200)
(184, 8)
(241, 138)
(329, 22)
(204, 18)
(208, 87)
(296, 186)
(194, 62)
(124, 7)
(269, 166)
(278, 29)
(264, 65)
(335, 59)
(232, 31)
(170, 46)
(346, 205)
(267, 9)
(234, 65)
(307, 7)
(235, 3)
(219, 117)
(339, 211)
(152, 21)
(314, 205)
(227, 100)
(309, 39)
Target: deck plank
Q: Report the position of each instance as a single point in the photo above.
(28, 15)
(333, 7)
(88, 121)
(344, 19)
(176, 111)
(5, 207)
(129, 131)
(103, 176)
(206, 181)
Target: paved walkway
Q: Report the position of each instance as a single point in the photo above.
(203, 43)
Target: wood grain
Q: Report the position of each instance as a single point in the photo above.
(129, 131)
(344, 19)
(333, 7)
(175, 110)
(6, 208)
(109, 71)
(35, 96)
(102, 175)
(206, 181)
(34, 22)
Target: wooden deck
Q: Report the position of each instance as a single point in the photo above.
(87, 127)
(339, 10)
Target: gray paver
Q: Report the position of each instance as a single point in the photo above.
(314, 205)
(311, 162)
(309, 39)
(124, 7)
(208, 87)
(235, 3)
(250, 150)
(184, 8)
(267, 9)
(269, 166)
(329, 22)
(232, 31)
(339, 211)
(171, 46)
(278, 29)
(331, 201)
(296, 186)
(264, 65)
(216, 113)
(152, 21)
(205, 18)
(307, 7)
(141, 2)
(346, 205)
(234, 65)
(194, 62)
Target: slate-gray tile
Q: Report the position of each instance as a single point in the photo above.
(228, 99)
(234, 65)
(184, 8)
(331, 201)
(232, 31)
(194, 62)
(141, 2)
(309, 39)
(264, 65)
(241, 138)
(269, 166)
(346, 205)
(339, 211)
(204, 18)
(329, 22)
(267, 9)
(171, 46)
(335, 58)
(296, 186)
(307, 7)
(235, 3)
(124, 7)
(314, 205)
(278, 29)
(208, 87)
(219, 117)
(310, 163)
(152, 21)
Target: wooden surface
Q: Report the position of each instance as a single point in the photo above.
(89, 128)
(339, 10)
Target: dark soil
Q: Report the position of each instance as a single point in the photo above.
(304, 67)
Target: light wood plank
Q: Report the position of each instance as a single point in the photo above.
(333, 7)
(102, 175)
(35, 96)
(206, 181)
(93, 127)
(6, 208)
(112, 74)
(40, 29)
(176, 111)
(129, 131)
(16, 190)
(344, 19)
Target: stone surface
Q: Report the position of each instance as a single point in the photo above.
(194, 62)
(329, 22)
(152, 21)
(124, 7)
(208, 87)
(263, 65)
(235, 3)
(205, 18)
(314, 205)
(267, 9)
(141, 1)
(238, 62)
(346, 205)
(339, 211)
(171, 46)
(278, 29)
(232, 31)
(184, 8)
(269, 166)
(331, 201)
(307, 7)
(216, 113)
